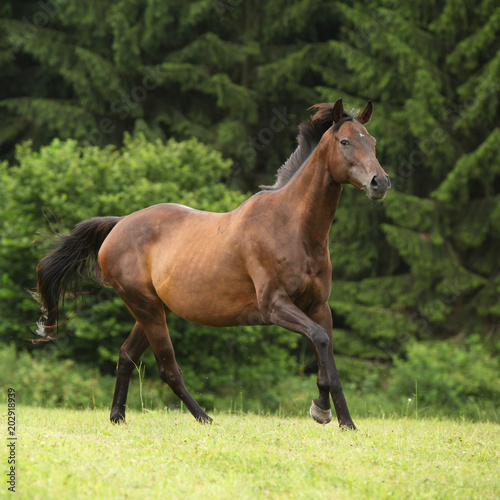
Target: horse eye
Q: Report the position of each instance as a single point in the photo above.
(344, 142)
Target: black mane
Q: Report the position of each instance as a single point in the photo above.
(310, 133)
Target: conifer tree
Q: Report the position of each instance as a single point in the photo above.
(425, 264)
(234, 74)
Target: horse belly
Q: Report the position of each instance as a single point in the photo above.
(207, 287)
(212, 305)
(221, 315)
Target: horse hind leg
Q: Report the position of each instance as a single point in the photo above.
(150, 314)
(170, 372)
(130, 354)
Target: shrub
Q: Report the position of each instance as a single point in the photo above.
(460, 379)
(50, 382)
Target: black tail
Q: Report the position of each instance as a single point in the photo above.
(74, 258)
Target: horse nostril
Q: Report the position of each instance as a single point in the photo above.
(388, 182)
(374, 183)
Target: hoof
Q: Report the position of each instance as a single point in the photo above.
(117, 419)
(348, 427)
(321, 416)
(205, 420)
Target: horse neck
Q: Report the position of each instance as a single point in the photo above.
(312, 196)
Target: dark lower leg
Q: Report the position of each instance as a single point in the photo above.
(151, 314)
(130, 353)
(321, 409)
(338, 399)
(324, 318)
(170, 373)
(324, 384)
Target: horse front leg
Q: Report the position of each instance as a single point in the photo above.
(324, 318)
(284, 313)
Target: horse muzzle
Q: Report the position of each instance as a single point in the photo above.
(377, 188)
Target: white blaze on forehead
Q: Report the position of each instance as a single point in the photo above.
(361, 135)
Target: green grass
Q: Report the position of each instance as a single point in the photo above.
(79, 454)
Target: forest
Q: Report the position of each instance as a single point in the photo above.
(107, 108)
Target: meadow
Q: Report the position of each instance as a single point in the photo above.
(64, 453)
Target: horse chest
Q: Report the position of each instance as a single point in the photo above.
(307, 281)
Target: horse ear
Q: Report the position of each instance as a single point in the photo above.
(337, 111)
(366, 114)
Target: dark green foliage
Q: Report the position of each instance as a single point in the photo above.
(232, 74)
(461, 379)
(46, 381)
(239, 76)
(424, 265)
(243, 378)
(455, 380)
(221, 363)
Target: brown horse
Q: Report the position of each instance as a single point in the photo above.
(266, 262)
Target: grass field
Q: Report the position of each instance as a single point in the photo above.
(79, 455)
